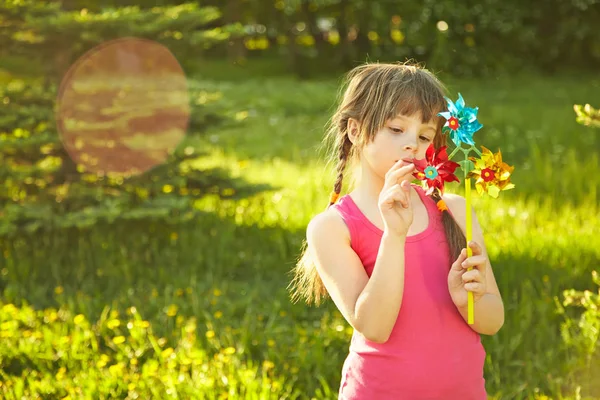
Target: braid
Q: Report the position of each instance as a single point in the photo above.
(455, 236)
(437, 198)
(345, 145)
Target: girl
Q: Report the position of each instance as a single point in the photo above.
(390, 257)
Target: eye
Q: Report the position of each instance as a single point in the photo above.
(425, 139)
(396, 130)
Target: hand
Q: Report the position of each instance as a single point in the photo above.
(461, 281)
(394, 200)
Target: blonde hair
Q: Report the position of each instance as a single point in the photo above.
(372, 94)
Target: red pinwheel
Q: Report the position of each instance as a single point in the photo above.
(435, 169)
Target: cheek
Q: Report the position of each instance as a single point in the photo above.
(422, 150)
(381, 155)
(385, 144)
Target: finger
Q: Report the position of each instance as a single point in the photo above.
(397, 165)
(405, 185)
(401, 193)
(472, 276)
(395, 195)
(396, 172)
(476, 248)
(387, 199)
(402, 172)
(457, 265)
(475, 287)
(478, 262)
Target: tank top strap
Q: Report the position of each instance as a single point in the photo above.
(427, 200)
(356, 221)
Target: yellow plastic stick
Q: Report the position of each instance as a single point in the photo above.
(471, 317)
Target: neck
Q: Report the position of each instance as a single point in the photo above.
(370, 184)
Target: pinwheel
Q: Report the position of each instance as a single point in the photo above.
(491, 174)
(461, 121)
(436, 169)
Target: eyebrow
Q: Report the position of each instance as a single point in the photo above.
(400, 116)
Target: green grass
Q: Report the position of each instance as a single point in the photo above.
(229, 268)
(540, 235)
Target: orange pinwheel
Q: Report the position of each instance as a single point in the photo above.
(491, 173)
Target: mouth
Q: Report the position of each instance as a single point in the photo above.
(407, 160)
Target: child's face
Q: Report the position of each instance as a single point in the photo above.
(403, 137)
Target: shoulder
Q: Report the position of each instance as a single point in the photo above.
(457, 205)
(326, 226)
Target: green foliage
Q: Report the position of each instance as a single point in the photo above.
(493, 37)
(582, 333)
(42, 31)
(587, 337)
(489, 37)
(43, 189)
(56, 353)
(587, 115)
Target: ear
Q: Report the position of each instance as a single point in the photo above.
(353, 130)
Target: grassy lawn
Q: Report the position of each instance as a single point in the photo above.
(228, 271)
(540, 235)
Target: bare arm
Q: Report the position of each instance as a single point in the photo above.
(370, 306)
(379, 303)
(489, 314)
(489, 310)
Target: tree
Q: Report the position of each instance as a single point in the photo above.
(44, 32)
(42, 188)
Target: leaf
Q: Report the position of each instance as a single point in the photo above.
(587, 115)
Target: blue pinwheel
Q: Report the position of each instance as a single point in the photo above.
(461, 122)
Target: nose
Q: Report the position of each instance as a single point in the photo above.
(410, 146)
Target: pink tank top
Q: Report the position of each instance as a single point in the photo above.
(432, 352)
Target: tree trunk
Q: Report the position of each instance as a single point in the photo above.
(233, 13)
(313, 28)
(296, 60)
(363, 44)
(345, 55)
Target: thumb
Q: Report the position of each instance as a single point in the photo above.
(457, 265)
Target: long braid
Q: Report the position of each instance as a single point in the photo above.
(456, 238)
(306, 282)
(344, 147)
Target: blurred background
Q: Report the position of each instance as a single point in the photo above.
(172, 283)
